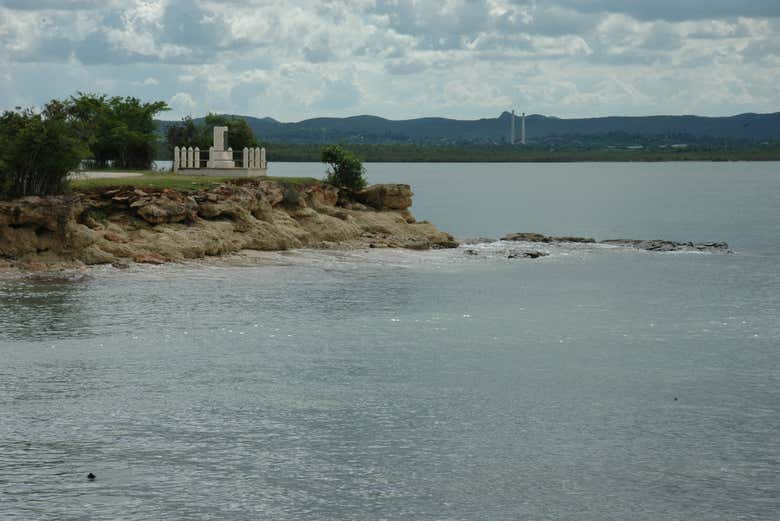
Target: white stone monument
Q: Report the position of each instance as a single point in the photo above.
(220, 159)
(219, 156)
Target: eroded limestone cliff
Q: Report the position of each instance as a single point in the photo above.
(122, 225)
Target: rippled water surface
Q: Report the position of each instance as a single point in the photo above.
(595, 383)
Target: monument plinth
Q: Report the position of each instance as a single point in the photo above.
(220, 160)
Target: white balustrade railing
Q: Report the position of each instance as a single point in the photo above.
(186, 158)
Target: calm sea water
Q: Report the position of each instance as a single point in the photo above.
(420, 385)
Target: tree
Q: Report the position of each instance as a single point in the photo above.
(185, 134)
(38, 152)
(191, 134)
(240, 134)
(118, 130)
(346, 171)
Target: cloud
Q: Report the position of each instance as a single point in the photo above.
(292, 59)
(677, 10)
(318, 50)
(182, 103)
(405, 67)
(148, 82)
(60, 5)
(338, 94)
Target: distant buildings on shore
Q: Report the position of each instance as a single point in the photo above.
(512, 138)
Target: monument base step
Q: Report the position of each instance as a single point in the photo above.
(224, 172)
(221, 163)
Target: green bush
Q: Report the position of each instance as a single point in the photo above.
(346, 171)
(291, 196)
(37, 151)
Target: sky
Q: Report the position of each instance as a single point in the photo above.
(468, 59)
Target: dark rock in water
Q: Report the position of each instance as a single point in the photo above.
(587, 240)
(526, 254)
(477, 240)
(668, 246)
(91, 476)
(538, 237)
(649, 245)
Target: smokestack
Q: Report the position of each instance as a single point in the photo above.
(512, 133)
(522, 130)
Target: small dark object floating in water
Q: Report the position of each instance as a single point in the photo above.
(675, 398)
(90, 476)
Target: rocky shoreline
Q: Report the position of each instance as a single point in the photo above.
(657, 245)
(126, 224)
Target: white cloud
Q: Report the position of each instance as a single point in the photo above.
(292, 59)
(182, 104)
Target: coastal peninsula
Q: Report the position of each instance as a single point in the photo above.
(120, 225)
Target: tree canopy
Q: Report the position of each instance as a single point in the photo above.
(118, 131)
(346, 171)
(188, 133)
(39, 150)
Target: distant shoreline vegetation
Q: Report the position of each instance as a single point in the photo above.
(744, 137)
(402, 153)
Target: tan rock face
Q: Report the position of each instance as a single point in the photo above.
(46, 212)
(94, 255)
(155, 226)
(150, 258)
(386, 196)
(321, 195)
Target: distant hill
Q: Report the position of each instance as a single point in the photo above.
(377, 130)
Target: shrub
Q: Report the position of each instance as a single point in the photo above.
(37, 152)
(291, 196)
(346, 171)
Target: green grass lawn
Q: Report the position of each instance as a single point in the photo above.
(183, 183)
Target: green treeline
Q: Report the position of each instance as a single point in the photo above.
(506, 153)
(40, 148)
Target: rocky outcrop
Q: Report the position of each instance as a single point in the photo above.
(531, 254)
(510, 254)
(538, 237)
(386, 197)
(668, 246)
(125, 224)
(648, 245)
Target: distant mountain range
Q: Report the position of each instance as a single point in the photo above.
(377, 130)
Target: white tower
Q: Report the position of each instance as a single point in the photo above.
(512, 132)
(522, 130)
